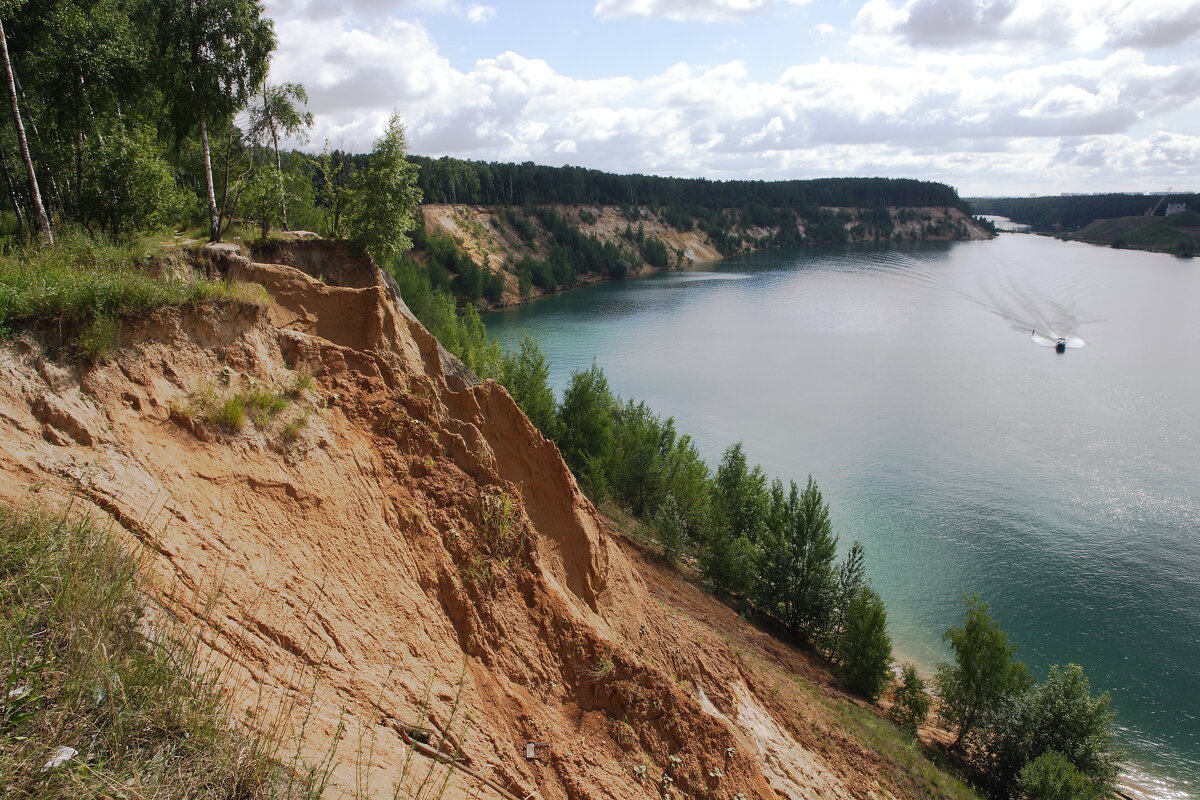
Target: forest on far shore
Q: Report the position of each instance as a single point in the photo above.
(1070, 212)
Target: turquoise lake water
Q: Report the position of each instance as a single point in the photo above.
(953, 441)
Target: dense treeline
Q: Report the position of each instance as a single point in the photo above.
(123, 110)
(1070, 212)
(132, 116)
(451, 180)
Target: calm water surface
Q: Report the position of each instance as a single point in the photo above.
(965, 454)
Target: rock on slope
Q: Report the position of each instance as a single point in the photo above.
(397, 550)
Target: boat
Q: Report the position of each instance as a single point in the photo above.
(1060, 346)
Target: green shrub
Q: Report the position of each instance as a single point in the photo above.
(865, 654)
(1061, 715)
(910, 702)
(1051, 776)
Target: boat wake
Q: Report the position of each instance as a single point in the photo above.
(1036, 313)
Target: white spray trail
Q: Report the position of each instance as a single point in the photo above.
(1043, 318)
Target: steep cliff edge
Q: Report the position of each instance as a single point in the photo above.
(393, 554)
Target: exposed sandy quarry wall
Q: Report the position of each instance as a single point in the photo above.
(479, 232)
(368, 572)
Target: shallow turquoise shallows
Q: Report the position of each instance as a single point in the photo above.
(921, 387)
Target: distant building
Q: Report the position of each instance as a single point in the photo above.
(1175, 208)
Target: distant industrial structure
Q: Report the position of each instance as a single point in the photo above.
(1175, 208)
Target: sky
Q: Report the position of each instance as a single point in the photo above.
(994, 97)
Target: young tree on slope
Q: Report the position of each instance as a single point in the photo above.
(865, 656)
(586, 419)
(526, 375)
(910, 702)
(278, 113)
(983, 674)
(386, 195)
(213, 52)
(816, 548)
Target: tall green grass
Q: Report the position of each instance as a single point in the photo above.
(86, 286)
(78, 670)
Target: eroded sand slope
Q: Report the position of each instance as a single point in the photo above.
(418, 554)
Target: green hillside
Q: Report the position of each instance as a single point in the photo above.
(1178, 233)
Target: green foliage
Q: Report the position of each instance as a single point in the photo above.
(983, 675)
(739, 509)
(97, 338)
(128, 184)
(586, 417)
(79, 672)
(814, 547)
(851, 577)
(261, 196)
(449, 180)
(654, 251)
(670, 529)
(526, 375)
(256, 405)
(1069, 212)
(385, 199)
(1051, 776)
(640, 443)
(685, 477)
(213, 54)
(910, 701)
(864, 654)
(1059, 715)
(471, 282)
(229, 415)
(740, 497)
(460, 331)
(728, 564)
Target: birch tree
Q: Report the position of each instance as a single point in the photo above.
(7, 9)
(213, 53)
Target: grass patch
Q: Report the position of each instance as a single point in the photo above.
(924, 765)
(291, 431)
(87, 286)
(301, 382)
(603, 667)
(255, 405)
(139, 716)
(262, 405)
(498, 523)
(229, 416)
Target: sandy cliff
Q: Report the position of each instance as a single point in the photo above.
(480, 232)
(399, 549)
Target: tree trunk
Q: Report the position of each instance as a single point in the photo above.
(12, 193)
(35, 194)
(79, 147)
(279, 177)
(209, 192)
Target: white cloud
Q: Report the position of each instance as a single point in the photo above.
(1085, 25)
(956, 118)
(328, 9)
(687, 10)
(479, 13)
